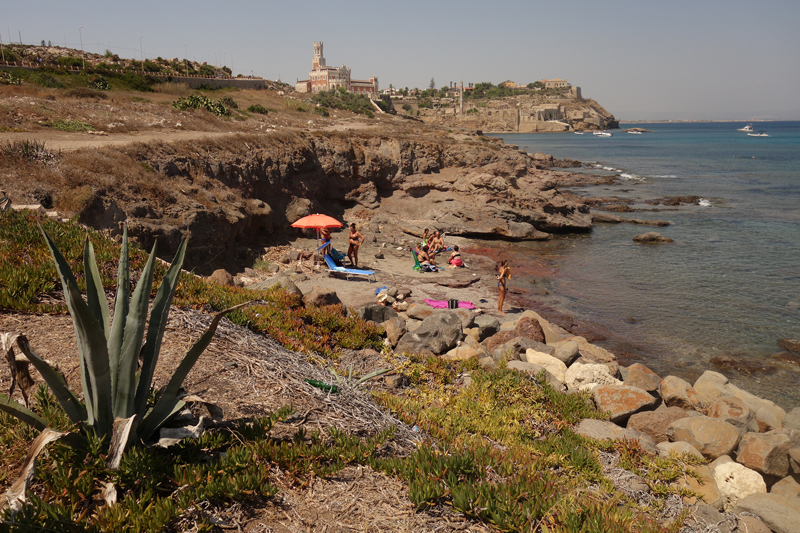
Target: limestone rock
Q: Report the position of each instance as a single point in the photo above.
(736, 482)
(706, 486)
(794, 460)
(321, 296)
(513, 349)
(487, 324)
(751, 524)
(655, 423)
(438, 334)
(467, 317)
(788, 487)
(677, 448)
(375, 312)
(767, 453)
(622, 401)
(221, 277)
(734, 411)
(712, 437)
(604, 430)
(580, 377)
(678, 393)
(470, 349)
(710, 386)
(552, 333)
(419, 311)
(792, 419)
(499, 338)
(488, 364)
(395, 328)
(553, 365)
(566, 351)
(642, 377)
(534, 369)
(593, 353)
(780, 514)
(281, 280)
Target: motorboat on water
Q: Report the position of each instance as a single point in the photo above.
(602, 134)
(635, 132)
(747, 128)
(759, 134)
(580, 133)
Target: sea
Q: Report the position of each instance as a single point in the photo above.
(729, 284)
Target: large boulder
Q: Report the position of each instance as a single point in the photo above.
(516, 347)
(321, 296)
(281, 281)
(767, 453)
(735, 482)
(792, 419)
(678, 393)
(666, 449)
(655, 423)
(438, 334)
(592, 353)
(553, 365)
(604, 430)
(642, 377)
(712, 437)
(704, 484)
(469, 349)
(375, 312)
(788, 487)
(622, 401)
(581, 377)
(552, 333)
(499, 338)
(780, 514)
(221, 277)
(566, 351)
(734, 411)
(534, 369)
(395, 328)
(419, 311)
(529, 328)
(487, 324)
(710, 386)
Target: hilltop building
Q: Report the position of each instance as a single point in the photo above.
(324, 78)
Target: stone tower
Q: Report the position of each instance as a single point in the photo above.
(319, 61)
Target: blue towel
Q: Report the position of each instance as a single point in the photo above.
(378, 291)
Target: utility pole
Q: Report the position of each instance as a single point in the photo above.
(83, 55)
(141, 52)
(186, 58)
(20, 37)
(232, 64)
(2, 52)
(64, 35)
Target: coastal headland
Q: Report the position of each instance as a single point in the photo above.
(235, 186)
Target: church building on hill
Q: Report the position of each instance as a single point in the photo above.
(324, 78)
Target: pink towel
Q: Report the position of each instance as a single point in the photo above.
(442, 304)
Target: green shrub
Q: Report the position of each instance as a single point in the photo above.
(70, 125)
(98, 82)
(407, 107)
(258, 108)
(85, 92)
(341, 99)
(70, 61)
(46, 80)
(229, 102)
(138, 82)
(321, 111)
(198, 101)
(7, 78)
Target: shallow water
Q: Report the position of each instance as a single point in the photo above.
(729, 284)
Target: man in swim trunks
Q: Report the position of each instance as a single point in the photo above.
(352, 251)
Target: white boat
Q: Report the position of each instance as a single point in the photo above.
(580, 133)
(759, 134)
(602, 134)
(635, 132)
(747, 128)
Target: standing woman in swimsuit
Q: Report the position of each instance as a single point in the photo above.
(352, 251)
(503, 274)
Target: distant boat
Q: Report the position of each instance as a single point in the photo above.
(759, 134)
(635, 132)
(580, 133)
(747, 128)
(602, 134)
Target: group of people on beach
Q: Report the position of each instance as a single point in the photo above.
(433, 244)
(355, 240)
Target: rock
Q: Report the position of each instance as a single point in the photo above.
(712, 437)
(612, 366)
(438, 333)
(604, 430)
(534, 369)
(677, 448)
(550, 363)
(651, 237)
(703, 517)
(642, 377)
(419, 311)
(566, 351)
(768, 415)
(498, 339)
(794, 460)
(284, 282)
(788, 487)
(780, 514)
(678, 393)
(710, 386)
(488, 364)
(466, 316)
(380, 255)
(706, 486)
(734, 411)
(467, 350)
(792, 345)
(552, 333)
(767, 453)
(622, 401)
(751, 524)
(655, 423)
(592, 353)
(375, 312)
(487, 324)
(221, 277)
(321, 296)
(721, 460)
(401, 306)
(580, 377)
(395, 328)
(529, 328)
(394, 382)
(514, 348)
(735, 482)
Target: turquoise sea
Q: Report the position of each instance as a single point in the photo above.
(728, 285)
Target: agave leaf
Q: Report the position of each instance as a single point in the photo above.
(56, 381)
(21, 412)
(95, 294)
(125, 391)
(165, 406)
(15, 496)
(121, 306)
(119, 439)
(67, 282)
(158, 323)
(372, 375)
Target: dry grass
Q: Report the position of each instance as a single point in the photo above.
(172, 89)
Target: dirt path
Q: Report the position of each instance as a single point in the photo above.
(69, 141)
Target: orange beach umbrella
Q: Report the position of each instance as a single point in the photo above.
(317, 221)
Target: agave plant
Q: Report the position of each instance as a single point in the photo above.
(115, 395)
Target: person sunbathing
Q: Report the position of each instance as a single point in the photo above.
(455, 258)
(436, 244)
(425, 257)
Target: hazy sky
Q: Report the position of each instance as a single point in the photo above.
(698, 59)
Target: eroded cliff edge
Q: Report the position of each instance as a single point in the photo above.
(245, 190)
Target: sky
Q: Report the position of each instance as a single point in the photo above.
(641, 60)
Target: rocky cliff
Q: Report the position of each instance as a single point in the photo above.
(244, 190)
